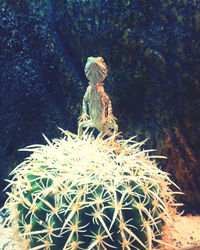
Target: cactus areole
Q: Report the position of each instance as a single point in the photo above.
(89, 194)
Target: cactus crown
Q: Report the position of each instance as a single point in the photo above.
(81, 194)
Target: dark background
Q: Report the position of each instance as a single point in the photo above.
(152, 49)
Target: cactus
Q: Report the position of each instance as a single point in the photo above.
(89, 194)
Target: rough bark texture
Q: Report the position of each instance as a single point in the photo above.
(152, 50)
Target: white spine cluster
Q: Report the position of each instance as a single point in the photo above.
(86, 192)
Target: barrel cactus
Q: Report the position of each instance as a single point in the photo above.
(89, 194)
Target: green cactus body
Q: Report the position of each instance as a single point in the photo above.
(87, 194)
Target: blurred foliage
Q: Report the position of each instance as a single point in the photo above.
(152, 50)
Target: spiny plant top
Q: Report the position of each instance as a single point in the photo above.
(89, 194)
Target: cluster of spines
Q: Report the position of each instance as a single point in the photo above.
(81, 194)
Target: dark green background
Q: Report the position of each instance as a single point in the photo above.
(152, 49)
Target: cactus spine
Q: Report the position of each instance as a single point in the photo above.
(81, 194)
